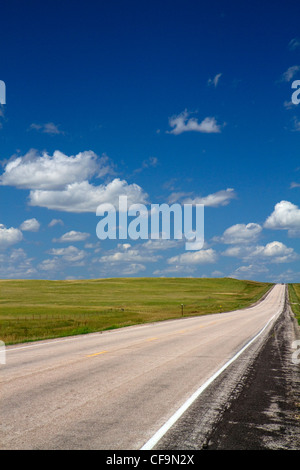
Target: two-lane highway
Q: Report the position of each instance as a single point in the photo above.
(115, 390)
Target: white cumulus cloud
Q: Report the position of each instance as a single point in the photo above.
(72, 236)
(220, 198)
(71, 254)
(85, 197)
(15, 264)
(51, 172)
(30, 225)
(240, 233)
(9, 236)
(182, 123)
(276, 251)
(286, 216)
(196, 257)
(273, 252)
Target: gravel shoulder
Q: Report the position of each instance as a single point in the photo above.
(254, 405)
(266, 414)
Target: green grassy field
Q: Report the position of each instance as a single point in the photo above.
(294, 296)
(32, 309)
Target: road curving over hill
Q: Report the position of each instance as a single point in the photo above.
(132, 388)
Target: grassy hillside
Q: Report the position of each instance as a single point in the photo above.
(32, 309)
(294, 295)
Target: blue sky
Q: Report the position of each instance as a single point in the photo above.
(165, 102)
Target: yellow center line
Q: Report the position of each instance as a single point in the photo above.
(208, 324)
(97, 354)
(163, 336)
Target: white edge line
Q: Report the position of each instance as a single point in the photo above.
(162, 431)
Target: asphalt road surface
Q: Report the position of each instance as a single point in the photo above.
(126, 388)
